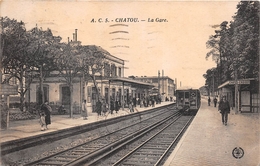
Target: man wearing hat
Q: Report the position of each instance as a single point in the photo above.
(224, 109)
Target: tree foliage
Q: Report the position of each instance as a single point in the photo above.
(15, 60)
(235, 46)
(93, 60)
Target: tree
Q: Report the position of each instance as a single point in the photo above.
(93, 60)
(15, 60)
(211, 78)
(220, 46)
(68, 64)
(235, 47)
(246, 39)
(42, 50)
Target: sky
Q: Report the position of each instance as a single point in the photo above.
(150, 36)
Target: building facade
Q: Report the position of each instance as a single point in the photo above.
(110, 85)
(164, 85)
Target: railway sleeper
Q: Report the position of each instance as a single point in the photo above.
(147, 151)
(69, 156)
(148, 155)
(140, 160)
(137, 163)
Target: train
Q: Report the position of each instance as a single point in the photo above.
(188, 100)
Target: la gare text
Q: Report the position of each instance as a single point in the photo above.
(106, 20)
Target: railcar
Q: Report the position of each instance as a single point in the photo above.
(188, 100)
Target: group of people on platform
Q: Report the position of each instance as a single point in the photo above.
(101, 108)
(223, 108)
(115, 105)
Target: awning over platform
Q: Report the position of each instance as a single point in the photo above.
(131, 82)
(239, 82)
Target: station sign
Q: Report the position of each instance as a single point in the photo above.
(6, 89)
(240, 82)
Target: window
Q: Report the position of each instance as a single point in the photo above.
(113, 94)
(107, 70)
(106, 95)
(119, 72)
(89, 94)
(113, 70)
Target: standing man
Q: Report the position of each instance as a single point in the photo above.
(215, 101)
(117, 106)
(99, 107)
(224, 109)
(84, 112)
(209, 100)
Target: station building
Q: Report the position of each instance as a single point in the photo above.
(111, 84)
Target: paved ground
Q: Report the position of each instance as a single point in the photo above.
(208, 142)
(25, 128)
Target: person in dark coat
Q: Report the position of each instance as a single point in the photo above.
(104, 107)
(209, 100)
(117, 106)
(134, 101)
(215, 101)
(112, 106)
(224, 109)
(47, 111)
(99, 107)
(153, 102)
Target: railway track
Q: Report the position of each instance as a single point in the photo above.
(150, 148)
(86, 151)
(45, 138)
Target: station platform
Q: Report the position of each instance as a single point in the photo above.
(208, 142)
(26, 128)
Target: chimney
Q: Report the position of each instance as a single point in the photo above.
(76, 35)
(68, 39)
(176, 83)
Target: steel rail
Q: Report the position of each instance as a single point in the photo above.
(119, 144)
(174, 141)
(145, 142)
(105, 148)
(32, 141)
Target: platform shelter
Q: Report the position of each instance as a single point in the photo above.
(248, 94)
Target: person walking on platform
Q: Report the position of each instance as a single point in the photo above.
(117, 106)
(215, 101)
(84, 112)
(153, 102)
(104, 107)
(209, 100)
(99, 107)
(112, 106)
(130, 106)
(47, 111)
(224, 109)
